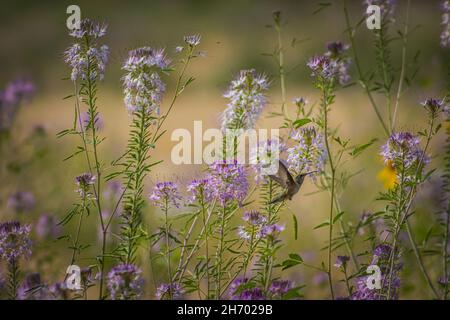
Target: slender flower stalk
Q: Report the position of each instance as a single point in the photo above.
(229, 186)
(165, 195)
(361, 74)
(281, 67)
(247, 100)
(409, 160)
(88, 60)
(14, 245)
(325, 72)
(143, 90)
(403, 65)
(125, 282)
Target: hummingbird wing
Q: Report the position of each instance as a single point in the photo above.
(283, 177)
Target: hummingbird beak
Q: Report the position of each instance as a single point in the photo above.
(308, 173)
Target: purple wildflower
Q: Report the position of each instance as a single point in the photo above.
(247, 95)
(59, 291)
(333, 64)
(264, 158)
(308, 154)
(197, 189)
(433, 106)
(445, 35)
(336, 49)
(341, 261)
(166, 194)
(252, 294)
(381, 258)
(442, 281)
(271, 231)
(300, 102)
(255, 221)
(125, 282)
(32, 288)
(278, 288)
(193, 40)
(84, 183)
(227, 182)
(243, 233)
(254, 217)
(15, 242)
(86, 57)
(236, 285)
(47, 227)
(387, 7)
(242, 289)
(323, 67)
(403, 151)
(15, 93)
(87, 278)
(89, 28)
(165, 291)
(143, 87)
(21, 201)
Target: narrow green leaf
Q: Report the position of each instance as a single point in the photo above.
(301, 122)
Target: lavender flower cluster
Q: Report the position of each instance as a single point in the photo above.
(15, 241)
(265, 157)
(403, 152)
(243, 289)
(11, 97)
(387, 7)
(309, 153)
(247, 95)
(334, 64)
(227, 182)
(258, 227)
(86, 57)
(166, 194)
(143, 86)
(381, 257)
(125, 282)
(85, 183)
(165, 291)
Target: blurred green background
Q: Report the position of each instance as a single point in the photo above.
(234, 36)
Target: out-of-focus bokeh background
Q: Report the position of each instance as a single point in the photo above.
(235, 36)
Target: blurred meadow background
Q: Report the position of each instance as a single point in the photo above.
(235, 36)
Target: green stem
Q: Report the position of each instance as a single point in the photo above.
(168, 254)
(205, 226)
(333, 173)
(75, 244)
(281, 70)
(220, 253)
(403, 67)
(363, 81)
(13, 279)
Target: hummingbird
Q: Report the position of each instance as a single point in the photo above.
(288, 182)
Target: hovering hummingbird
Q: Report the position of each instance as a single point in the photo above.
(286, 181)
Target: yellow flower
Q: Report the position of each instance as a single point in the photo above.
(388, 176)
